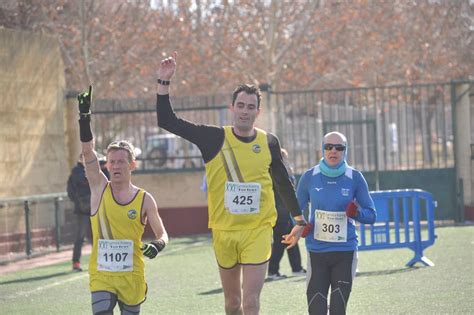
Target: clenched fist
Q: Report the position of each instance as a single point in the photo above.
(352, 210)
(85, 101)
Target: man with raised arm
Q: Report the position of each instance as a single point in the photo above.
(243, 166)
(119, 213)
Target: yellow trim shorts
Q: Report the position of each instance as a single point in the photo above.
(247, 247)
(130, 289)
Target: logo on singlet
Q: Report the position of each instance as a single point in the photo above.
(345, 191)
(256, 148)
(132, 214)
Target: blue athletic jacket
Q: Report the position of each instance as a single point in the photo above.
(333, 194)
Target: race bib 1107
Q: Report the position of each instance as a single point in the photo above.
(115, 255)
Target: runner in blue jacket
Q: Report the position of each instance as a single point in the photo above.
(338, 196)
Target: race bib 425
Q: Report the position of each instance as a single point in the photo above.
(242, 198)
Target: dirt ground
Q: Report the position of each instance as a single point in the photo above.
(17, 264)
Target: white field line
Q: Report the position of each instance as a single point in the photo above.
(85, 274)
(41, 288)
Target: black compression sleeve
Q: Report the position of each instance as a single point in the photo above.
(85, 129)
(208, 138)
(281, 180)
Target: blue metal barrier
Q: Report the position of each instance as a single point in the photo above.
(405, 219)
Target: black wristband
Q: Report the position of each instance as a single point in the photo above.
(85, 131)
(301, 222)
(163, 82)
(160, 244)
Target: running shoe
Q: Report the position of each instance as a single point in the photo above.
(76, 266)
(276, 276)
(301, 272)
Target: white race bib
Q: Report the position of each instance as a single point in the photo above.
(115, 255)
(330, 226)
(242, 198)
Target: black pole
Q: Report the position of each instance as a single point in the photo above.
(27, 227)
(460, 216)
(57, 224)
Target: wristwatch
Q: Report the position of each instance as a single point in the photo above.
(163, 82)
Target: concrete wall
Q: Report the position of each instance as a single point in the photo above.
(182, 205)
(173, 190)
(71, 126)
(32, 85)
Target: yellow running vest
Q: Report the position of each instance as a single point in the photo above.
(114, 221)
(237, 177)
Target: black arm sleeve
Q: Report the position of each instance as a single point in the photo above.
(85, 131)
(282, 184)
(208, 138)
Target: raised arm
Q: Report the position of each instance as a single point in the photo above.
(95, 177)
(208, 138)
(166, 72)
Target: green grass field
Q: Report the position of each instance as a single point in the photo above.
(184, 280)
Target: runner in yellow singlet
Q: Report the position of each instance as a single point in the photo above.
(243, 167)
(119, 213)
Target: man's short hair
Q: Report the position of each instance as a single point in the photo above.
(123, 145)
(249, 89)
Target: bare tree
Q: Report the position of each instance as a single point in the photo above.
(300, 44)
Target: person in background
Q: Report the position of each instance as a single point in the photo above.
(103, 165)
(339, 196)
(79, 193)
(283, 226)
(203, 186)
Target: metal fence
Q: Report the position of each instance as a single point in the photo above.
(136, 121)
(388, 128)
(405, 127)
(35, 224)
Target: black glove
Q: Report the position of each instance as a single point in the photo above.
(152, 249)
(85, 100)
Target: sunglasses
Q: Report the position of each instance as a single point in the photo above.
(338, 147)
